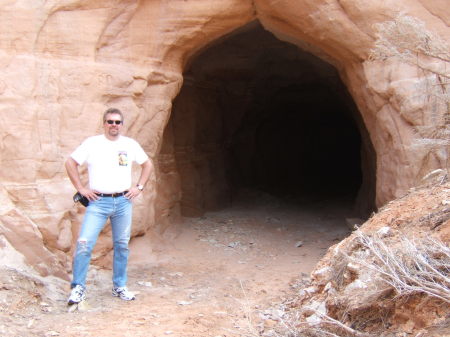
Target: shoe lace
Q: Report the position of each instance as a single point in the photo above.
(78, 290)
(122, 290)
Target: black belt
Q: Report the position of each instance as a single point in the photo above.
(112, 195)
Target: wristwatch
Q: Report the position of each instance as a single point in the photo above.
(140, 187)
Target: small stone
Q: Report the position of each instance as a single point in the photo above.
(184, 303)
(177, 274)
(233, 244)
(356, 284)
(384, 231)
(145, 284)
(220, 313)
(272, 220)
(46, 309)
(310, 290)
(353, 267)
(354, 223)
(299, 244)
(83, 306)
(328, 286)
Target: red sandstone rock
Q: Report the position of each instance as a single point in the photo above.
(63, 63)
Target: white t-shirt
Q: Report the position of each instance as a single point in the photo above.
(109, 162)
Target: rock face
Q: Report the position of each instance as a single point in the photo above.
(64, 62)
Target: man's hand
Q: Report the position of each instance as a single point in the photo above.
(147, 168)
(133, 193)
(88, 193)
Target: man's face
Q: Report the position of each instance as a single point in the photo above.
(112, 126)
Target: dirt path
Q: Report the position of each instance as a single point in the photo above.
(202, 278)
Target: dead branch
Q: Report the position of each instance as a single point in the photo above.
(414, 267)
(329, 321)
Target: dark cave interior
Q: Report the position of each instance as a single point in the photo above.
(258, 113)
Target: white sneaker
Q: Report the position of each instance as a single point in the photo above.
(77, 294)
(123, 293)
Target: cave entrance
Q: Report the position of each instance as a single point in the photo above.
(261, 114)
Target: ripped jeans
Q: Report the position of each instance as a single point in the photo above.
(119, 211)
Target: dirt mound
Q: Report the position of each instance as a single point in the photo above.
(390, 277)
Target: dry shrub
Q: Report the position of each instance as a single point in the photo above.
(412, 267)
(407, 37)
(409, 267)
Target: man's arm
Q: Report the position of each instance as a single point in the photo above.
(146, 170)
(74, 176)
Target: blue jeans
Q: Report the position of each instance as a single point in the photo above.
(119, 211)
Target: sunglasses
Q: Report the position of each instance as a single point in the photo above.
(111, 122)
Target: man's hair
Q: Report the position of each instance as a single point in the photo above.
(112, 111)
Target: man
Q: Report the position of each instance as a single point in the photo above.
(109, 158)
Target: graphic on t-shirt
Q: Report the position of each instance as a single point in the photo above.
(123, 158)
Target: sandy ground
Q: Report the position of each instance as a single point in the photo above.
(217, 275)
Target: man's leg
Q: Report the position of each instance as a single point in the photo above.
(121, 230)
(94, 220)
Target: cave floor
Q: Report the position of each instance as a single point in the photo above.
(217, 275)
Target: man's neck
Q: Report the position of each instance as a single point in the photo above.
(112, 138)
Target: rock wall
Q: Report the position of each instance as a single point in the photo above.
(63, 62)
